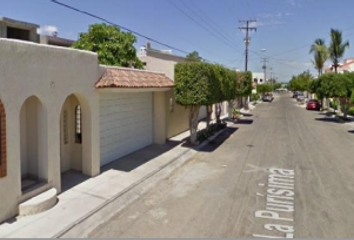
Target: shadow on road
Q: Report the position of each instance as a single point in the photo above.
(329, 120)
(219, 140)
(244, 122)
(351, 131)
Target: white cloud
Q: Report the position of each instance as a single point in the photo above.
(48, 30)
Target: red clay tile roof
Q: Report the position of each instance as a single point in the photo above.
(131, 78)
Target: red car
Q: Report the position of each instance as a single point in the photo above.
(313, 105)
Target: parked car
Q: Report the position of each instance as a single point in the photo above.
(313, 104)
(295, 94)
(300, 97)
(268, 98)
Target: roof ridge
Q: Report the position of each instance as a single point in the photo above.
(131, 69)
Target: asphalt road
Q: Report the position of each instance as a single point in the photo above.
(217, 193)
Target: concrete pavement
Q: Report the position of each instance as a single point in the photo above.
(120, 183)
(224, 191)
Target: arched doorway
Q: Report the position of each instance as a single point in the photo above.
(34, 163)
(71, 136)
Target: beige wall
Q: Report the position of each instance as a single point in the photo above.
(70, 150)
(160, 121)
(51, 74)
(176, 115)
(33, 139)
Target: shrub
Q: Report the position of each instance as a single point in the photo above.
(202, 84)
(351, 111)
(334, 104)
(207, 133)
(255, 97)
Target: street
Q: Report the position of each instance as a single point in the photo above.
(217, 193)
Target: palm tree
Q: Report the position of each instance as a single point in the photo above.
(320, 52)
(337, 47)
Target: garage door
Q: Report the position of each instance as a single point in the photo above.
(126, 121)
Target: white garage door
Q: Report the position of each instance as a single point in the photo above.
(126, 121)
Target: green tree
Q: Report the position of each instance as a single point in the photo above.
(320, 53)
(244, 86)
(337, 48)
(201, 84)
(113, 47)
(264, 88)
(301, 82)
(194, 56)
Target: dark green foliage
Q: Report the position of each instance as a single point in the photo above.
(264, 88)
(113, 47)
(351, 111)
(301, 82)
(203, 84)
(194, 84)
(255, 97)
(194, 56)
(244, 84)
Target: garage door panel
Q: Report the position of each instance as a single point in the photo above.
(126, 124)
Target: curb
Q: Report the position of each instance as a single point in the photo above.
(84, 226)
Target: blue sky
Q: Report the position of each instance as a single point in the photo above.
(286, 28)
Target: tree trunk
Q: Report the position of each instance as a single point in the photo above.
(322, 103)
(231, 109)
(218, 113)
(209, 113)
(193, 123)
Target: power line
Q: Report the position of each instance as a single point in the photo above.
(229, 36)
(122, 27)
(201, 25)
(205, 21)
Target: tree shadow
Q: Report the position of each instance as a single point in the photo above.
(351, 131)
(219, 140)
(329, 120)
(244, 122)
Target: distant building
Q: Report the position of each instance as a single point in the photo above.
(258, 78)
(56, 41)
(24, 31)
(14, 29)
(347, 66)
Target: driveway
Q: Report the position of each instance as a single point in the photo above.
(222, 191)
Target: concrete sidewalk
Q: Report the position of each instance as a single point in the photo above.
(89, 196)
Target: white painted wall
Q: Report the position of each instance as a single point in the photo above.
(51, 74)
(126, 121)
(71, 152)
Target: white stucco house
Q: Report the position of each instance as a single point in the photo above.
(258, 78)
(346, 66)
(61, 111)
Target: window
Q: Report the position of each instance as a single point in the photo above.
(3, 170)
(78, 125)
(16, 33)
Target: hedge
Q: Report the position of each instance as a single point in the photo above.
(207, 84)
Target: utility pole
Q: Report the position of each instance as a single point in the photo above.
(264, 67)
(247, 39)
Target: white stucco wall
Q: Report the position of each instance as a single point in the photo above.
(126, 121)
(51, 74)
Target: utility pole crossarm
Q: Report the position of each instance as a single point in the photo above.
(248, 29)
